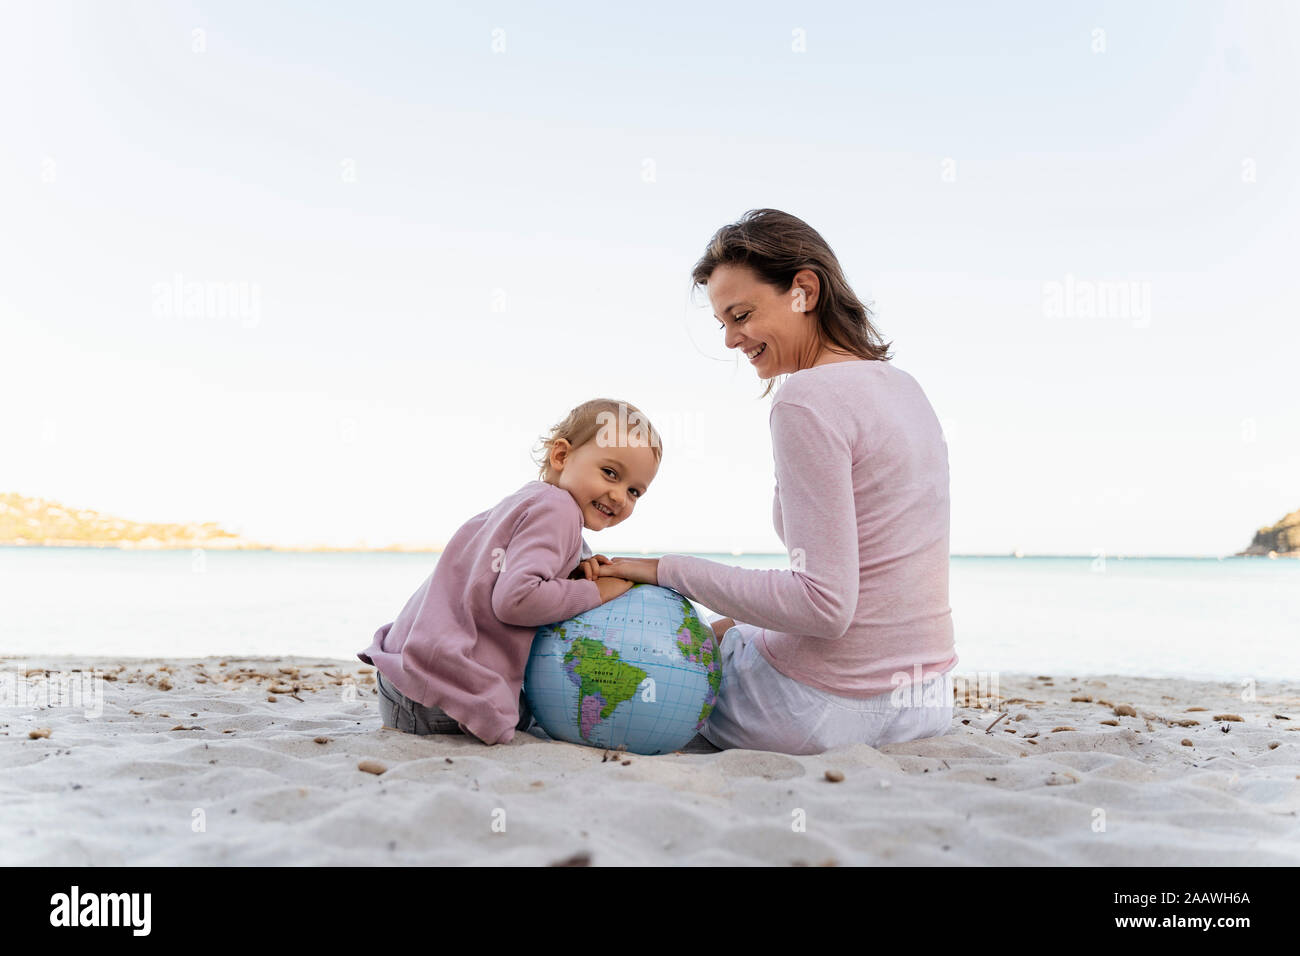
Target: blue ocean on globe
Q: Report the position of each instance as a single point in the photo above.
(640, 671)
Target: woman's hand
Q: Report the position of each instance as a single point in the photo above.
(640, 570)
(588, 569)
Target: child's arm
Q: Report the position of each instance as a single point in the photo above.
(531, 588)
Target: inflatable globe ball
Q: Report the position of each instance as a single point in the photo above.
(640, 671)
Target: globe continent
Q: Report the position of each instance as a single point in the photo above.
(640, 671)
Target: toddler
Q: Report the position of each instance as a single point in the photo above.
(453, 660)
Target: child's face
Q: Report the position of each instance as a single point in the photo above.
(599, 478)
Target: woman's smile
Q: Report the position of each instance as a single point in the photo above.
(756, 352)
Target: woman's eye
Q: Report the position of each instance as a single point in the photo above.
(739, 318)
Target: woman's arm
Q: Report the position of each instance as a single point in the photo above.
(818, 596)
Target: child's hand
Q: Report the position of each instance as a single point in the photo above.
(611, 588)
(587, 569)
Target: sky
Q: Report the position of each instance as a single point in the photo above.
(420, 233)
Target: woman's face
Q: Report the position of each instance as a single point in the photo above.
(776, 331)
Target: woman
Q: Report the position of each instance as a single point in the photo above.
(854, 643)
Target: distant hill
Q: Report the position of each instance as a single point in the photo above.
(1281, 539)
(36, 521)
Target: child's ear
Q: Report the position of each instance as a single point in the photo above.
(559, 454)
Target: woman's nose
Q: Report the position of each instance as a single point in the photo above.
(732, 338)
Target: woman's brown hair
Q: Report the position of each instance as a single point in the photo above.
(777, 245)
(590, 419)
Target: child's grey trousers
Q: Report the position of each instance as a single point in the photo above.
(411, 717)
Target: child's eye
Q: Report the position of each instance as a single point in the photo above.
(613, 474)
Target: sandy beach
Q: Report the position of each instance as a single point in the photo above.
(216, 761)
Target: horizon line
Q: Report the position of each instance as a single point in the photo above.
(656, 553)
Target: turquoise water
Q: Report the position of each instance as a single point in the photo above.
(1162, 617)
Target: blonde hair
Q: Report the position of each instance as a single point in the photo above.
(592, 418)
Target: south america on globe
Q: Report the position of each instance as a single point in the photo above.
(641, 672)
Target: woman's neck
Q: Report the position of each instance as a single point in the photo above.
(830, 356)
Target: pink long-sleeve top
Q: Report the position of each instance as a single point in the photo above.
(861, 504)
(462, 641)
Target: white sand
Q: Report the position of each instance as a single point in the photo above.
(128, 787)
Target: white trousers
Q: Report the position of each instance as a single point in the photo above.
(759, 708)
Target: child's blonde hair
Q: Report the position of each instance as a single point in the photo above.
(625, 421)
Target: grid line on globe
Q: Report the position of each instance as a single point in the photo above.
(588, 678)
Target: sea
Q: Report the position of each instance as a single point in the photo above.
(1219, 619)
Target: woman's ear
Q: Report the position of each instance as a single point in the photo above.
(804, 291)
